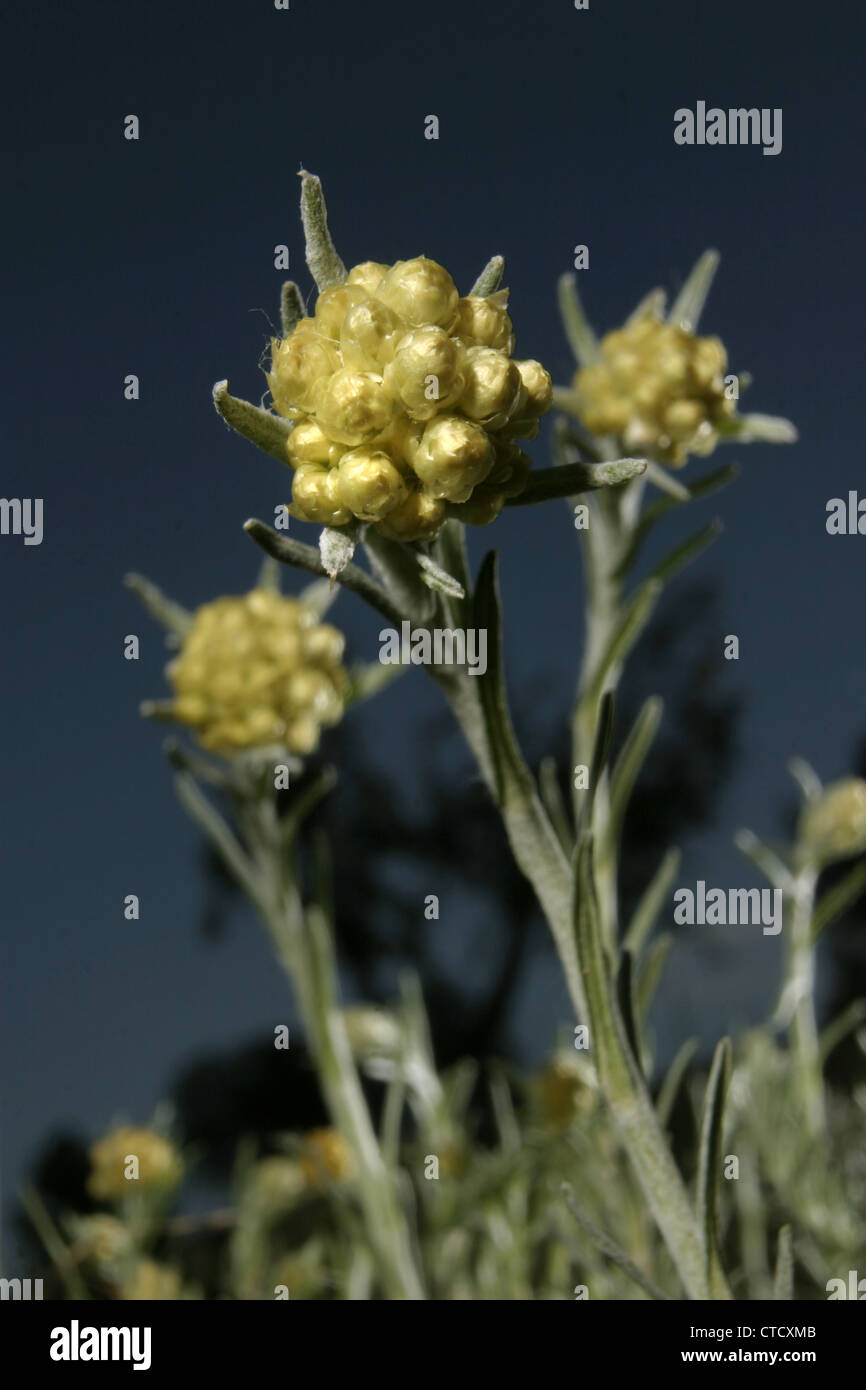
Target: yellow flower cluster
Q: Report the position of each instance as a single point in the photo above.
(158, 1164)
(834, 826)
(325, 1157)
(659, 388)
(258, 670)
(406, 402)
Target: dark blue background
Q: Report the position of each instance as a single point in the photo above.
(156, 257)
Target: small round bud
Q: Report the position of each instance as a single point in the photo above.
(682, 419)
(537, 384)
(483, 323)
(425, 373)
(325, 1157)
(368, 275)
(421, 291)
(418, 518)
(369, 335)
(333, 305)
(455, 455)
(308, 443)
(323, 644)
(314, 497)
(298, 364)
(834, 827)
(482, 507)
(492, 389)
(372, 1032)
(368, 484)
(353, 406)
(159, 1166)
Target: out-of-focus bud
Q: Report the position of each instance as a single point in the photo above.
(132, 1159)
(372, 1032)
(325, 1158)
(834, 826)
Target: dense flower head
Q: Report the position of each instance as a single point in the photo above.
(158, 1165)
(834, 826)
(325, 1157)
(657, 387)
(258, 671)
(406, 402)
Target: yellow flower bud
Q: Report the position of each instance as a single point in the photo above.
(333, 305)
(421, 291)
(285, 687)
(418, 518)
(493, 387)
(314, 497)
(325, 1158)
(132, 1159)
(308, 443)
(368, 275)
(372, 1032)
(425, 373)
(682, 419)
(834, 826)
(537, 384)
(106, 1240)
(561, 1092)
(369, 335)
(455, 455)
(368, 484)
(484, 323)
(299, 364)
(274, 1185)
(354, 406)
(482, 507)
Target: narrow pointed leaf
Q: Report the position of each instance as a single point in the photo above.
(397, 568)
(837, 1031)
(490, 278)
(688, 550)
(806, 778)
(306, 557)
(581, 338)
(650, 974)
(661, 478)
(292, 307)
(710, 1165)
(783, 1281)
(760, 429)
(626, 993)
(611, 1250)
(651, 902)
(633, 619)
(652, 303)
(631, 760)
(554, 802)
(674, 1077)
(325, 265)
(571, 479)
(438, 579)
(451, 554)
(263, 428)
(601, 748)
(839, 898)
(171, 615)
(764, 859)
(686, 308)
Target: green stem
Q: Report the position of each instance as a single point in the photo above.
(302, 941)
(799, 992)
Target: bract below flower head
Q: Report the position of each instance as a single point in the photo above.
(405, 396)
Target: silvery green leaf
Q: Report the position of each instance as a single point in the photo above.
(839, 898)
(292, 307)
(369, 677)
(490, 278)
(652, 901)
(686, 551)
(670, 1087)
(710, 1165)
(652, 303)
(306, 557)
(173, 617)
(571, 479)
(439, 579)
(630, 761)
(611, 1250)
(662, 479)
(806, 778)
(318, 597)
(686, 309)
(325, 265)
(396, 566)
(760, 429)
(263, 428)
(336, 549)
(581, 338)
